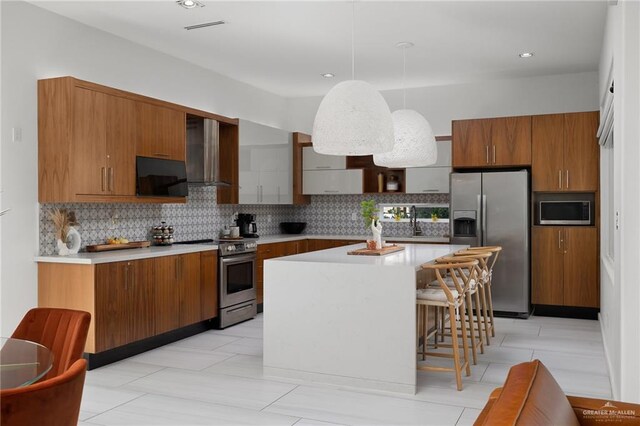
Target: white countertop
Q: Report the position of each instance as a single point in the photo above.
(126, 254)
(157, 251)
(295, 237)
(412, 256)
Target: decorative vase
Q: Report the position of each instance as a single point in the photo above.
(376, 229)
(63, 250)
(73, 240)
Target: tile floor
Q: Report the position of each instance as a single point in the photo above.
(215, 378)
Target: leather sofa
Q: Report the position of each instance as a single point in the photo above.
(531, 396)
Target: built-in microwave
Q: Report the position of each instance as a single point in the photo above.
(568, 212)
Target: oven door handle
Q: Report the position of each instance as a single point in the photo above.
(241, 258)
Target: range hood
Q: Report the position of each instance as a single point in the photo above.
(203, 143)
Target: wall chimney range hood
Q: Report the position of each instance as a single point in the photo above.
(203, 149)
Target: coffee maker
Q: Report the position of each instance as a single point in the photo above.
(247, 224)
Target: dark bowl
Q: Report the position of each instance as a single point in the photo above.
(292, 227)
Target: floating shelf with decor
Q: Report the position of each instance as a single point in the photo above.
(372, 182)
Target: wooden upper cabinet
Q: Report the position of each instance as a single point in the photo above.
(511, 139)
(471, 143)
(491, 142)
(566, 154)
(581, 267)
(89, 146)
(547, 265)
(161, 132)
(581, 151)
(121, 136)
(547, 142)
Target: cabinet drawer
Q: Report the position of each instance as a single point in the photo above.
(421, 180)
(327, 182)
(311, 160)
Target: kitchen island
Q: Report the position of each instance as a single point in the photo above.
(345, 320)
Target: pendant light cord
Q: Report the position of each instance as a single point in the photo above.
(353, 38)
(404, 77)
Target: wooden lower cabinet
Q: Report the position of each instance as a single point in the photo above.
(208, 284)
(177, 297)
(133, 300)
(565, 266)
(124, 303)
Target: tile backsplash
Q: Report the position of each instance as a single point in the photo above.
(201, 217)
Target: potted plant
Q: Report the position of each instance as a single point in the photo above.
(370, 215)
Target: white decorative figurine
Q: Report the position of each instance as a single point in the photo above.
(376, 228)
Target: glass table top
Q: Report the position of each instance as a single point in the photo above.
(22, 362)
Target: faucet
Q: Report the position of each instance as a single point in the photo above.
(413, 221)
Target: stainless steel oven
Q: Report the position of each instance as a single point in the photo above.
(237, 282)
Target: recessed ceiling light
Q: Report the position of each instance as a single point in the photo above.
(189, 4)
(328, 75)
(526, 54)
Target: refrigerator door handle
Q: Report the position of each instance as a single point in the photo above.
(484, 220)
(478, 227)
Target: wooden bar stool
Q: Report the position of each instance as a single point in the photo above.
(495, 251)
(452, 299)
(472, 273)
(483, 318)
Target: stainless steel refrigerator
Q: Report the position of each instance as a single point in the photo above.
(489, 209)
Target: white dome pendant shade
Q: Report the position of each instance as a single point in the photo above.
(353, 119)
(415, 144)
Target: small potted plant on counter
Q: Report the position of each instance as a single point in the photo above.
(371, 221)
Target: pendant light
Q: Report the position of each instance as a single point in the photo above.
(415, 144)
(353, 118)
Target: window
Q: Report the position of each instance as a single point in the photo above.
(424, 212)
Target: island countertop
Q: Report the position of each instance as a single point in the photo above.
(346, 320)
(413, 255)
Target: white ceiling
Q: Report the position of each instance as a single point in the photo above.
(284, 46)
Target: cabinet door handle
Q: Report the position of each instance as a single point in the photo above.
(566, 240)
(104, 177)
(323, 167)
(559, 240)
(559, 179)
(429, 190)
(278, 194)
(161, 154)
(110, 180)
(126, 277)
(261, 194)
(487, 147)
(330, 191)
(567, 178)
(494, 154)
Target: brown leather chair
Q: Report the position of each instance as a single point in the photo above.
(531, 396)
(63, 331)
(53, 402)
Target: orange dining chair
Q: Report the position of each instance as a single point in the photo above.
(62, 331)
(52, 402)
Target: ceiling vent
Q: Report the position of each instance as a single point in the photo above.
(206, 24)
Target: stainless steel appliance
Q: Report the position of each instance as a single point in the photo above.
(203, 151)
(236, 280)
(564, 212)
(492, 208)
(247, 224)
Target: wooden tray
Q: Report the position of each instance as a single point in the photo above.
(380, 252)
(109, 247)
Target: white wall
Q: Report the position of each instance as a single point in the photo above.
(620, 291)
(38, 44)
(440, 105)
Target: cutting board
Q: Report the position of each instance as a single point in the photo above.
(109, 247)
(379, 252)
